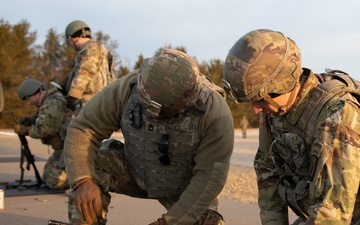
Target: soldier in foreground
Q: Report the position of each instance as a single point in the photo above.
(178, 140)
(49, 125)
(308, 156)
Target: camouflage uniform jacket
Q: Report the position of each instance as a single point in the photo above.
(102, 116)
(321, 166)
(84, 80)
(50, 117)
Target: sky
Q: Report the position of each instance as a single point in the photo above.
(326, 31)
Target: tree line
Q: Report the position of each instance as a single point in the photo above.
(21, 58)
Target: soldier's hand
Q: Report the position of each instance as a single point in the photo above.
(21, 129)
(27, 120)
(87, 199)
(160, 221)
(211, 217)
(72, 102)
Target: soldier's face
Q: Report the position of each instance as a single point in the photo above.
(36, 99)
(268, 108)
(32, 100)
(73, 42)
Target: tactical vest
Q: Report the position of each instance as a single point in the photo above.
(142, 134)
(293, 136)
(106, 68)
(57, 141)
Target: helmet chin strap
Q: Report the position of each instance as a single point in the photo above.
(284, 108)
(40, 98)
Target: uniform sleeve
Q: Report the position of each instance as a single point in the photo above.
(99, 118)
(273, 211)
(336, 177)
(211, 164)
(90, 59)
(49, 120)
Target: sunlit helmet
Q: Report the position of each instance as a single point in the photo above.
(168, 82)
(28, 88)
(261, 63)
(77, 26)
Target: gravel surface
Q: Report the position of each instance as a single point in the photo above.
(241, 185)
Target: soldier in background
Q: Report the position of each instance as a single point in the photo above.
(244, 124)
(93, 69)
(2, 99)
(308, 156)
(48, 125)
(178, 140)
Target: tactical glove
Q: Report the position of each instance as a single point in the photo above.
(211, 217)
(87, 199)
(160, 221)
(28, 120)
(21, 129)
(72, 102)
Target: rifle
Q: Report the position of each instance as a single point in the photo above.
(26, 153)
(54, 222)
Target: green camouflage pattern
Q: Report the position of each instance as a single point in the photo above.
(50, 116)
(327, 158)
(48, 127)
(260, 63)
(54, 174)
(169, 78)
(86, 78)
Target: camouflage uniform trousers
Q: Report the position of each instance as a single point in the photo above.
(113, 175)
(54, 174)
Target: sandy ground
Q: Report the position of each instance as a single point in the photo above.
(241, 185)
(239, 196)
(241, 182)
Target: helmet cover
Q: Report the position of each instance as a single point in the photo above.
(168, 82)
(260, 63)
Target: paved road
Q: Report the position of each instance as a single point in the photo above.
(39, 208)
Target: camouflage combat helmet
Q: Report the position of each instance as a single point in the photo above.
(168, 82)
(75, 26)
(28, 88)
(261, 63)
